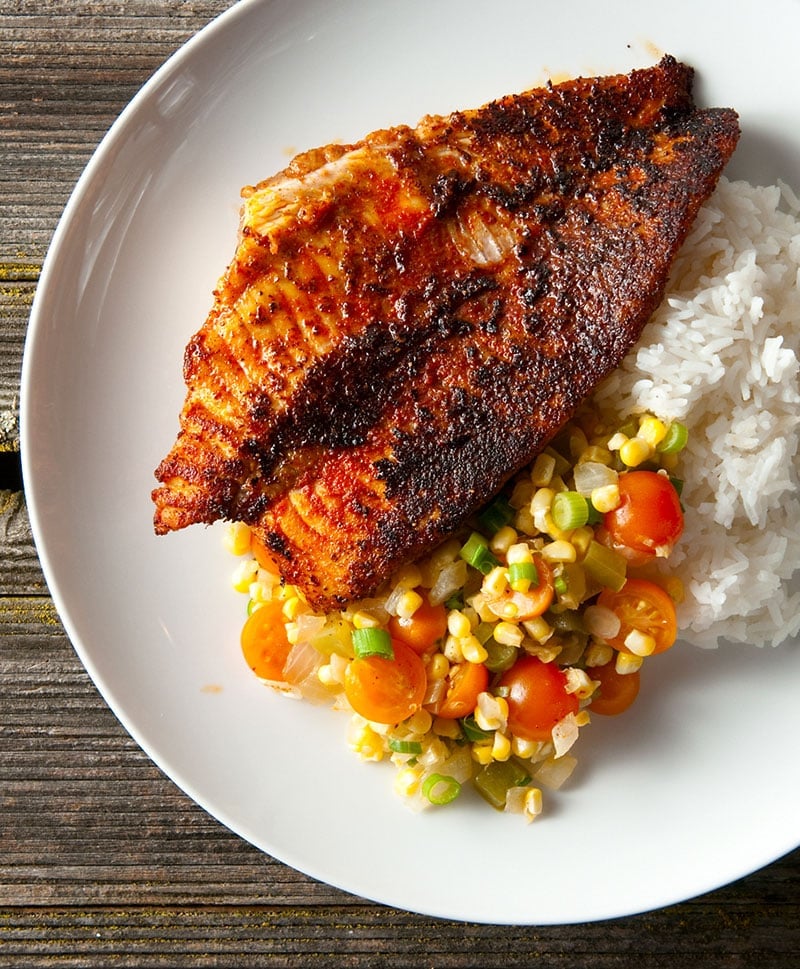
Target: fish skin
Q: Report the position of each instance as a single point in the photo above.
(409, 320)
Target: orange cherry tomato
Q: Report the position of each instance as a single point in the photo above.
(386, 690)
(648, 518)
(616, 692)
(422, 630)
(537, 698)
(464, 682)
(534, 602)
(265, 558)
(644, 606)
(264, 643)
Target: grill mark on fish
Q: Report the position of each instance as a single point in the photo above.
(408, 320)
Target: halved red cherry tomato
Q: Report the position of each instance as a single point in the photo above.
(465, 682)
(648, 518)
(644, 606)
(264, 641)
(616, 692)
(423, 629)
(386, 690)
(537, 698)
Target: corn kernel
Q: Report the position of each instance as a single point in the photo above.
(582, 718)
(533, 803)
(524, 748)
(325, 675)
(581, 539)
(447, 728)
(364, 620)
(559, 551)
(540, 508)
(605, 498)
(458, 624)
(419, 722)
(502, 540)
(639, 643)
(507, 633)
(526, 523)
(452, 650)
(408, 603)
(491, 712)
(538, 628)
(616, 441)
(406, 781)
(652, 430)
(627, 663)
(501, 746)
(634, 451)
(598, 654)
(519, 554)
(292, 608)
(482, 753)
(496, 582)
(438, 667)
(543, 468)
(365, 742)
(236, 538)
(579, 683)
(243, 575)
(472, 650)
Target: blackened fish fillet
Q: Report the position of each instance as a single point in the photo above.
(408, 320)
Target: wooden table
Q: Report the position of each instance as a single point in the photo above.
(103, 861)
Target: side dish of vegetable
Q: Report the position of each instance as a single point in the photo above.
(481, 662)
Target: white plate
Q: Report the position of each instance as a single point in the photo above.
(697, 786)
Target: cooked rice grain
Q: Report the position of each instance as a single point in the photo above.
(722, 354)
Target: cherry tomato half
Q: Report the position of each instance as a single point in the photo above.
(264, 643)
(616, 692)
(425, 627)
(537, 698)
(465, 682)
(648, 518)
(534, 602)
(644, 606)
(386, 690)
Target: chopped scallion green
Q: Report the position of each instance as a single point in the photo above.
(472, 731)
(440, 788)
(404, 746)
(496, 515)
(675, 439)
(475, 552)
(522, 572)
(372, 641)
(570, 510)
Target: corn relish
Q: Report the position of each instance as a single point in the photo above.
(480, 663)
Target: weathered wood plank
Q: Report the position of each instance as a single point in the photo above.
(368, 936)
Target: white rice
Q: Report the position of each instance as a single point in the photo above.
(722, 354)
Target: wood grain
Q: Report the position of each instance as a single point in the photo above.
(103, 861)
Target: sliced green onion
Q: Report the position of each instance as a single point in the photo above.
(605, 566)
(404, 746)
(440, 788)
(594, 516)
(677, 484)
(496, 779)
(675, 439)
(522, 572)
(496, 514)
(475, 552)
(560, 584)
(472, 731)
(372, 641)
(456, 601)
(570, 510)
